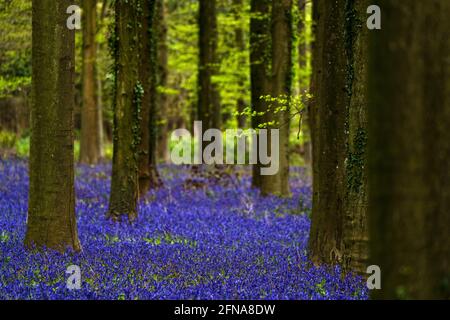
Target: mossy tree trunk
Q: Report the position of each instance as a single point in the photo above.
(129, 92)
(409, 148)
(148, 174)
(339, 134)
(90, 146)
(260, 66)
(51, 214)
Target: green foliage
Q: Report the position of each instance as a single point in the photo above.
(4, 237)
(23, 147)
(15, 46)
(7, 140)
(232, 80)
(295, 104)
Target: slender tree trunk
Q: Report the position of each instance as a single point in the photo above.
(127, 106)
(409, 112)
(148, 175)
(241, 47)
(51, 214)
(282, 36)
(303, 79)
(339, 131)
(101, 134)
(208, 110)
(155, 107)
(277, 83)
(260, 66)
(302, 45)
(162, 52)
(90, 148)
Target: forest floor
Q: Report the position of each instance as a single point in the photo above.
(219, 241)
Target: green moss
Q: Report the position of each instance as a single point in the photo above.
(138, 94)
(351, 29)
(356, 161)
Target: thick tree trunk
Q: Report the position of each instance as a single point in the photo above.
(409, 112)
(148, 175)
(127, 106)
(208, 110)
(51, 214)
(90, 147)
(339, 133)
(260, 66)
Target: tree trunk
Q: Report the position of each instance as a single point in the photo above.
(409, 168)
(162, 56)
(260, 66)
(51, 214)
(240, 45)
(155, 108)
(282, 36)
(90, 147)
(208, 110)
(148, 175)
(271, 63)
(304, 80)
(339, 132)
(127, 106)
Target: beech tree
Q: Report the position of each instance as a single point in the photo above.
(162, 52)
(260, 44)
(148, 174)
(339, 134)
(304, 78)
(239, 33)
(281, 79)
(51, 219)
(271, 76)
(208, 109)
(90, 144)
(129, 92)
(409, 149)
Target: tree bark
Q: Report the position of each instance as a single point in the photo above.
(127, 106)
(148, 174)
(339, 134)
(271, 64)
(162, 56)
(51, 219)
(409, 146)
(282, 36)
(260, 66)
(208, 110)
(90, 146)
(304, 80)
(240, 45)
